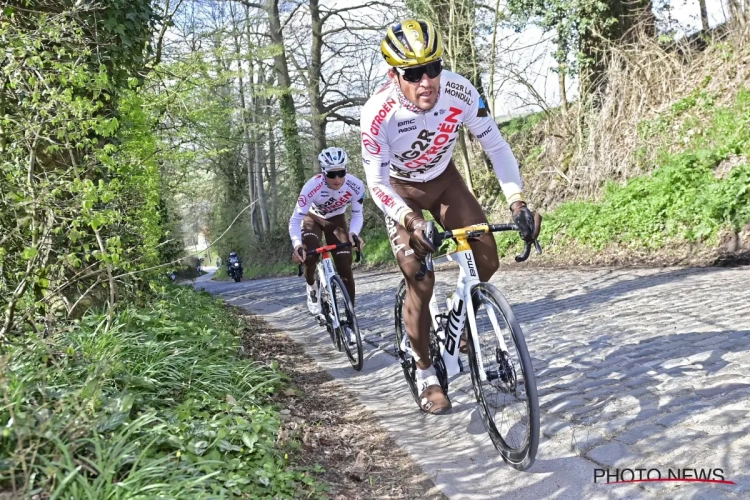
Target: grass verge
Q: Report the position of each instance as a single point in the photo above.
(159, 406)
(252, 272)
(690, 198)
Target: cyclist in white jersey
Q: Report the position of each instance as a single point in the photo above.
(320, 210)
(409, 129)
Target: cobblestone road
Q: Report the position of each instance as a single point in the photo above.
(635, 368)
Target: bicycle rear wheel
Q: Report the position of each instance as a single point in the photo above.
(408, 365)
(347, 320)
(507, 400)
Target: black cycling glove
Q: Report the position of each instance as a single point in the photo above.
(524, 219)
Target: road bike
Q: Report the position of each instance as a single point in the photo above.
(337, 310)
(501, 372)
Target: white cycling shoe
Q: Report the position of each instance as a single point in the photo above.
(313, 302)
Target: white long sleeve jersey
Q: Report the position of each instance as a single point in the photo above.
(417, 147)
(316, 197)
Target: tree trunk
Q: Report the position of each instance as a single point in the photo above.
(492, 94)
(467, 164)
(631, 18)
(318, 120)
(286, 103)
(257, 123)
(272, 166)
(260, 155)
(704, 14)
(561, 69)
(247, 135)
(456, 20)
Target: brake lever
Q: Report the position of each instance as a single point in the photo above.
(526, 252)
(426, 265)
(527, 244)
(356, 248)
(299, 266)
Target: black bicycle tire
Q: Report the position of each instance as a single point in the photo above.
(357, 364)
(520, 459)
(406, 365)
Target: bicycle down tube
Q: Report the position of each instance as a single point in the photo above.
(462, 304)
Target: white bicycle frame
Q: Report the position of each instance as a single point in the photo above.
(459, 306)
(325, 273)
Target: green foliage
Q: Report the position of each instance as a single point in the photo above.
(278, 269)
(378, 250)
(688, 198)
(522, 124)
(221, 274)
(78, 192)
(158, 406)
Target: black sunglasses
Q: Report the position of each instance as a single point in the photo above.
(336, 173)
(413, 75)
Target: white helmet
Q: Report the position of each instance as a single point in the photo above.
(332, 159)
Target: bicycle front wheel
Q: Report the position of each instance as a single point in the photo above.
(507, 397)
(348, 330)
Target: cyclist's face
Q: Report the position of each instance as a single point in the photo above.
(423, 93)
(335, 183)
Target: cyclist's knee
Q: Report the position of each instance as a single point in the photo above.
(421, 289)
(311, 261)
(488, 266)
(487, 259)
(310, 239)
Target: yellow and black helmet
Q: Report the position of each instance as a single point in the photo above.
(411, 43)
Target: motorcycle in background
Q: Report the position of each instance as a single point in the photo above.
(234, 269)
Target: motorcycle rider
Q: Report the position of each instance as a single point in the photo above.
(234, 258)
(320, 210)
(409, 129)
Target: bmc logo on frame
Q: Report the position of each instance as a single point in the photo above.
(652, 475)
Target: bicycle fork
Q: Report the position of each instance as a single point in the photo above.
(463, 307)
(326, 271)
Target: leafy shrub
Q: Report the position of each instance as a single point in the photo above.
(685, 199)
(157, 406)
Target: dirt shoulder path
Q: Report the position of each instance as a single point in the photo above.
(358, 456)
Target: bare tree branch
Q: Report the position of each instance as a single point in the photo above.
(328, 13)
(345, 103)
(349, 120)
